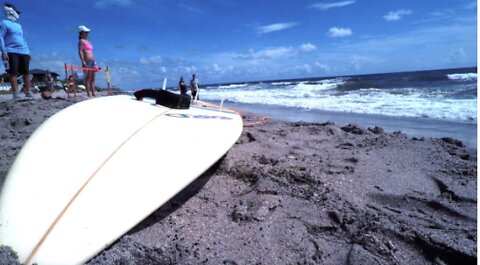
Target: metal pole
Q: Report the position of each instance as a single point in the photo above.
(74, 83)
(108, 81)
(67, 82)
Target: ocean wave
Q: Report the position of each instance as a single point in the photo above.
(282, 83)
(315, 87)
(465, 76)
(303, 87)
(354, 85)
(441, 94)
(232, 86)
(365, 101)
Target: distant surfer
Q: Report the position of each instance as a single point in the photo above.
(182, 86)
(85, 51)
(14, 48)
(194, 87)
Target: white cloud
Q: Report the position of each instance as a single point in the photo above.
(326, 6)
(323, 67)
(191, 9)
(185, 69)
(252, 55)
(217, 69)
(304, 68)
(335, 32)
(273, 53)
(457, 55)
(275, 27)
(357, 61)
(151, 60)
(264, 58)
(107, 3)
(307, 47)
(397, 15)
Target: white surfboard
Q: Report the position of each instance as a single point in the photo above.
(97, 168)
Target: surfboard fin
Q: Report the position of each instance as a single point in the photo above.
(165, 98)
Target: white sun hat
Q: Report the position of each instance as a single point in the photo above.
(82, 28)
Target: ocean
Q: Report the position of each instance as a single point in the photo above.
(437, 103)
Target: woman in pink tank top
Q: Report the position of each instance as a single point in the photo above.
(85, 51)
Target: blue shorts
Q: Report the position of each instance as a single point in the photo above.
(91, 64)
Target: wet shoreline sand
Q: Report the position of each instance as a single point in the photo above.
(412, 126)
(300, 193)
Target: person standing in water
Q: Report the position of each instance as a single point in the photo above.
(15, 52)
(85, 51)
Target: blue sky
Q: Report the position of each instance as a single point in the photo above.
(144, 41)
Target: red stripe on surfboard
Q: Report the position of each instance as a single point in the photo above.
(55, 222)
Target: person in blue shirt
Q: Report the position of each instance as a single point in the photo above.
(14, 48)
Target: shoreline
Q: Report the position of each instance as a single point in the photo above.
(298, 192)
(412, 126)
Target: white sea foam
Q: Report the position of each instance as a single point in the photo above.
(282, 83)
(232, 86)
(466, 76)
(320, 86)
(323, 96)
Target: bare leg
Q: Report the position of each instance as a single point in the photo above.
(92, 82)
(27, 84)
(87, 82)
(13, 83)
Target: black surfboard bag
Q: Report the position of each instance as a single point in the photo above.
(165, 98)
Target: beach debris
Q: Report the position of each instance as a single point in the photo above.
(20, 122)
(46, 94)
(255, 209)
(353, 128)
(251, 138)
(376, 130)
(452, 141)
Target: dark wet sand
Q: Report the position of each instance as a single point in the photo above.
(299, 193)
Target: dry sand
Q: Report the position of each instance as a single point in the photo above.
(299, 193)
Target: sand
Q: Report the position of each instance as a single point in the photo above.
(298, 193)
